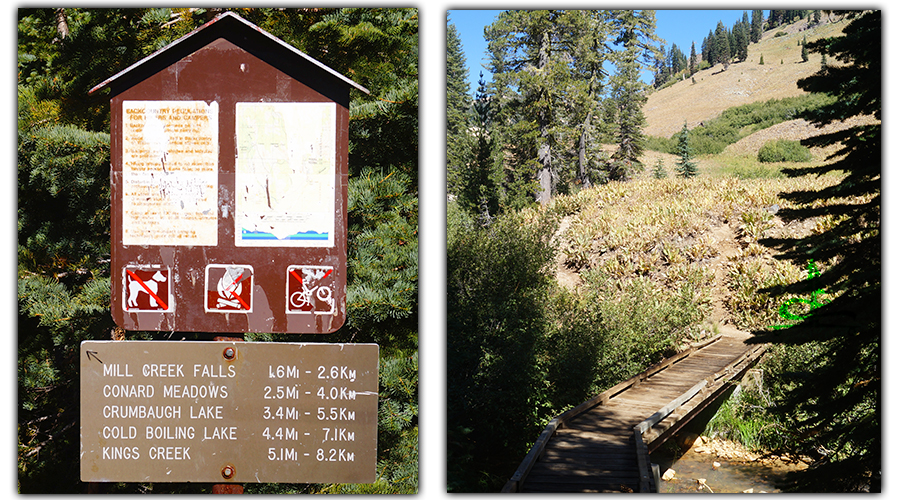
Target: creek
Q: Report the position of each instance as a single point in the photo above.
(729, 476)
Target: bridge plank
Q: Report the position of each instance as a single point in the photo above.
(592, 447)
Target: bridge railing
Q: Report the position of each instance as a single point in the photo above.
(537, 450)
(709, 388)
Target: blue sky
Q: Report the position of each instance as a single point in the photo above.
(674, 26)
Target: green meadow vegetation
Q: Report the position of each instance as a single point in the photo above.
(550, 303)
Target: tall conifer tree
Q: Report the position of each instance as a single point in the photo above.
(636, 36)
(458, 109)
(756, 26)
(722, 46)
(590, 30)
(692, 65)
(836, 400)
(533, 60)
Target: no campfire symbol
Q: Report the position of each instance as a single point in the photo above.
(229, 288)
(147, 288)
(310, 290)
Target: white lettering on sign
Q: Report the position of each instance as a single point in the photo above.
(195, 391)
(163, 370)
(182, 408)
(141, 412)
(284, 372)
(121, 453)
(119, 432)
(176, 432)
(225, 432)
(170, 173)
(170, 453)
(213, 412)
(128, 391)
(115, 370)
(213, 371)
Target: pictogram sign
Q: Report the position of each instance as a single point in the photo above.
(213, 169)
(229, 288)
(310, 290)
(147, 288)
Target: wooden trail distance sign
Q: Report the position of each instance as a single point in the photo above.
(229, 186)
(228, 412)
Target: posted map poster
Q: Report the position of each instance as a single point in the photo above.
(285, 174)
(170, 173)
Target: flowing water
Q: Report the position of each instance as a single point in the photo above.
(729, 477)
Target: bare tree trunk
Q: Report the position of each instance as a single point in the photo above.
(545, 178)
(62, 23)
(582, 153)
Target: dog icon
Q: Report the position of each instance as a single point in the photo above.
(136, 287)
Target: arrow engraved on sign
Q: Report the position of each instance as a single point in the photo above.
(94, 355)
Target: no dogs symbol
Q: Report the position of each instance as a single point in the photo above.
(147, 289)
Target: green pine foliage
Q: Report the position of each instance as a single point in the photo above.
(659, 170)
(382, 259)
(458, 111)
(63, 283)
(834, 405)
(63, 217)
(479, 190)
(636, 31)
(783, 150)
(685, 166)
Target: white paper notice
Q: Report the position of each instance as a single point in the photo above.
(284, 174)
(170, 173)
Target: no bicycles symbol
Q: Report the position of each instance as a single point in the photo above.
(787, 307)
(310, 290)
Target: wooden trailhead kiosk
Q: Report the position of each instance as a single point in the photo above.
(229, 186)
(229, 215)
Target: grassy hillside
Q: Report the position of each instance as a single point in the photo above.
(700, 237)
(715, 89)
(696, 237)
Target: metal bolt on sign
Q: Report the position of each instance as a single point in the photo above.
(228, 472)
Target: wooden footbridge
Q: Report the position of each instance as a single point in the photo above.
(603, 445)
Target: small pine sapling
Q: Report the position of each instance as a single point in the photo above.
(659, 171)
(685, 167)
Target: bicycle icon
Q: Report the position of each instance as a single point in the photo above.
(310, 290)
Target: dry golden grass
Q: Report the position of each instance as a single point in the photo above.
(704, 233)
(793, 130)
(705, 229)
(743, 83)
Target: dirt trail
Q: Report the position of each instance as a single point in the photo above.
(726, 242)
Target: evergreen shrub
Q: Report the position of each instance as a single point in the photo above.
(783, 150)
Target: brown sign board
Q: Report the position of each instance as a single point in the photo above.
(228, 412)
(229, 186)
